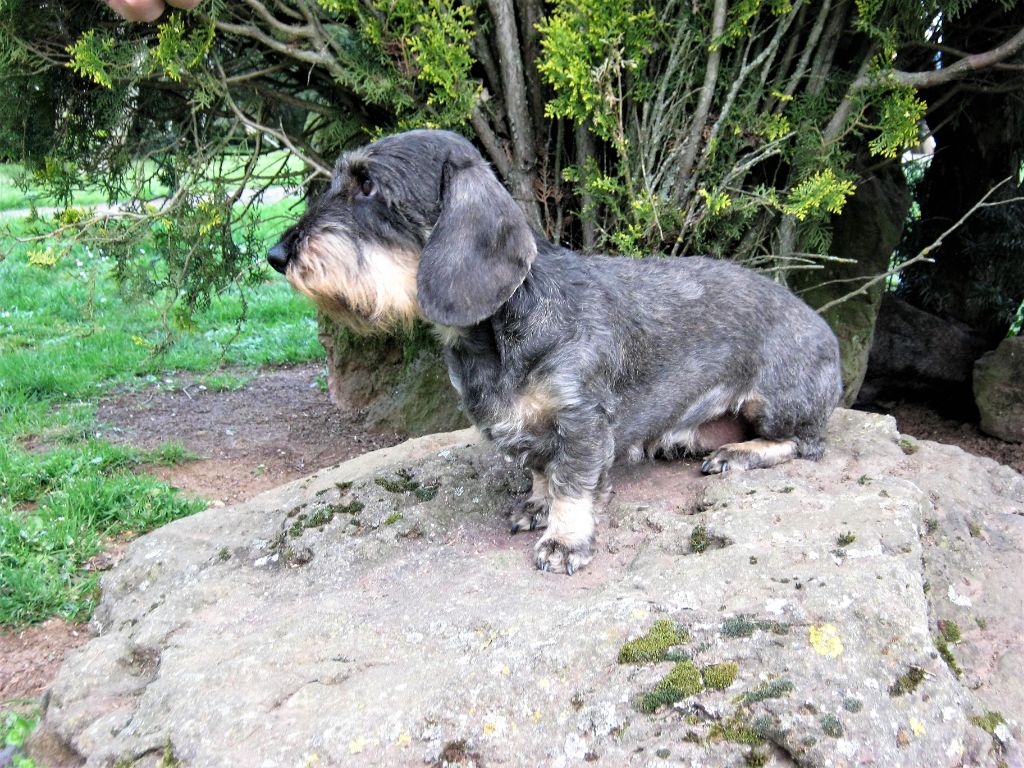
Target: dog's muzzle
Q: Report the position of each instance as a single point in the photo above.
(278, 257)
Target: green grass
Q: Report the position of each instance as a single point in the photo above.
(15, 727)
(68, 337)
(16, 194)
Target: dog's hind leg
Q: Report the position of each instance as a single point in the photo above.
(780, 437)
(751, 454)
(532, 512)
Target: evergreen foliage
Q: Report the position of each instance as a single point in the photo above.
(634, 126)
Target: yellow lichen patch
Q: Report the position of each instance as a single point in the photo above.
(356, 746)
(489, 728)
(917, 727)
(404, 739)
(825, 640)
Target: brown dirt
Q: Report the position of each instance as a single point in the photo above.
(29, 659)
(279, 427)
(923, 423)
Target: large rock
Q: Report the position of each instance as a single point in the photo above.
(922, 356)
(379, 614)
(400, 379)
(999, 390)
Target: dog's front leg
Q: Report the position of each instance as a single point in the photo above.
(577, 480)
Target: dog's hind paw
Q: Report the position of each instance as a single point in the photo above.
(752, 454)
(529, 515)
(553, 554)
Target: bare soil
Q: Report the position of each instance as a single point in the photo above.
(925, 424)
(279, 427)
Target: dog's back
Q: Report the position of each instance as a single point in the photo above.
(678, 343)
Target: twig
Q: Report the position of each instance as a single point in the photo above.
(921, 255)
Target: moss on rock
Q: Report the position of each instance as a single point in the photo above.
(654, 645)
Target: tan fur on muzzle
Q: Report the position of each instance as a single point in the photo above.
(379, 294)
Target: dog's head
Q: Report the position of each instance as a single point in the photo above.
(413, 225)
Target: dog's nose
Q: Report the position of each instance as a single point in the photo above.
(278, 258)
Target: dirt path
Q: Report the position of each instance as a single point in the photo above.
(279, 427)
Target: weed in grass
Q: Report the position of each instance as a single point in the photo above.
(226, 381)
(170, 454)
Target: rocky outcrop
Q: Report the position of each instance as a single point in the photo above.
(999, 390)
(864, 609)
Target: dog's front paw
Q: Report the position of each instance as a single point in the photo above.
(553, 553)
(529, 515)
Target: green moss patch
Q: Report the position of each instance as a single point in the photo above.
(949, 630)
(400, 482)
(831, 726)
(946, 652)
(907, 682)
(908, 446)
(775, 689)
(743, 626)
(654, 645)
(682, 682)
(736, 729)
(989, 721)
(701, 540)
(718, 677)
(354, 507)
(846, 538)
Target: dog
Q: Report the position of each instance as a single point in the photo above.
(566, 362)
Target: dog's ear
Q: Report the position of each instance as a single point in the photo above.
(480, 248)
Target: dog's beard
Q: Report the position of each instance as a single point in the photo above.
(375, 292)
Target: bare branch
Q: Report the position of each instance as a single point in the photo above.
(707, 92)
(923, 254)
(969, 64)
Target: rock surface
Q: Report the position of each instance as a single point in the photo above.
(379, 614)
(999, 390)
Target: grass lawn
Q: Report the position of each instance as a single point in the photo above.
(67, 337)
(15, 194)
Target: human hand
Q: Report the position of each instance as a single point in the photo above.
(147, 10)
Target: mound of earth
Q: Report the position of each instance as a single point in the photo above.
(860, 610)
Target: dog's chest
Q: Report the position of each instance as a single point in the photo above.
(514, 409)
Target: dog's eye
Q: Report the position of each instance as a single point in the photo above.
(366, 188)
